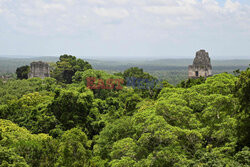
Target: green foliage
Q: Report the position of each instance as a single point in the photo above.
(15, 89)
(73, 149)
(31, 112)
(67, 66)
(214, 158)
(191, 82)
(144, 84)
(124, 148)
(35, 149)
(221, 84)
(130, 99)
(176, 112)
(8, 158)
(22, 72)
(136, 73)
(242, 92)
(72, 107)
(243, 157)
(243, 88)
(99, 92)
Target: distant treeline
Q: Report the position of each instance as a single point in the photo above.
(173, 70)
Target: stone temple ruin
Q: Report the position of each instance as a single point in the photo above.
(39, 69)
(201, 65)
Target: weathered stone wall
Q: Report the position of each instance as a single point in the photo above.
(39, 69)
(201, 65)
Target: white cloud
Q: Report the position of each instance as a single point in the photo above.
(172, 10)
(109, 2)
(232, 6)
(111, 12)
(120, 2)
(211, 6)
(97, 2)
(75, 16)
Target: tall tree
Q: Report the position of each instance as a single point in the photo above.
(67, 66)
(243, 93)
(73, 150)
(22, 72)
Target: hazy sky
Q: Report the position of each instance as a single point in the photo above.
(125, 29)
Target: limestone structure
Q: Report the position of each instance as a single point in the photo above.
(201, 65)
(39, 69)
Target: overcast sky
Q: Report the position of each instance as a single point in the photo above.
(125, 29)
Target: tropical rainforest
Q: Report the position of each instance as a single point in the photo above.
(61, 122)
